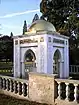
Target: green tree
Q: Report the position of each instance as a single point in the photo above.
(11, 34)
(62, 13)
(24, 27)
(36, 17)
(6, 48)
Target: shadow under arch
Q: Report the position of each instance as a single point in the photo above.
(29, 56)
(29, 62)
(56, 62)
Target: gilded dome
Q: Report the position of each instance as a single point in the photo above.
(41, 25)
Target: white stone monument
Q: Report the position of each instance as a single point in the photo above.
(41, 50)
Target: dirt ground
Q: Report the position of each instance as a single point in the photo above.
(6, 100)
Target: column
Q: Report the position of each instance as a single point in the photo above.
(75, 92)
(66, 59)
(8, 84)
(18, 61)
(24, 89)
(15, 87)
(19, 88)
(4, 83)
(61, 69)
(1, 83)
(23, 70)
(59, 90)
(67, 91)
(11, 86)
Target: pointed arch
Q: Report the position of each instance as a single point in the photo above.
(29, 56)
(56, 62)
(57, 54)
(29, 62)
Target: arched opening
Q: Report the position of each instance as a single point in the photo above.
(56, 62)
(30, 61)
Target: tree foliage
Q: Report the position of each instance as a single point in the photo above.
(6, 48)
(24, 27)
(11, 34)
(36, 17)
(62, 13)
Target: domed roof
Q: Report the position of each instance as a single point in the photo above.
(41, 25)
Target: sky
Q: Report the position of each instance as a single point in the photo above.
(14, 12)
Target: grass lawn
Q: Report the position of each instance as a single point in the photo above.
(7, 100)
(6, 68)
(6, 64)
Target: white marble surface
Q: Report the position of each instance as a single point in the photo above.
(44, 52)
